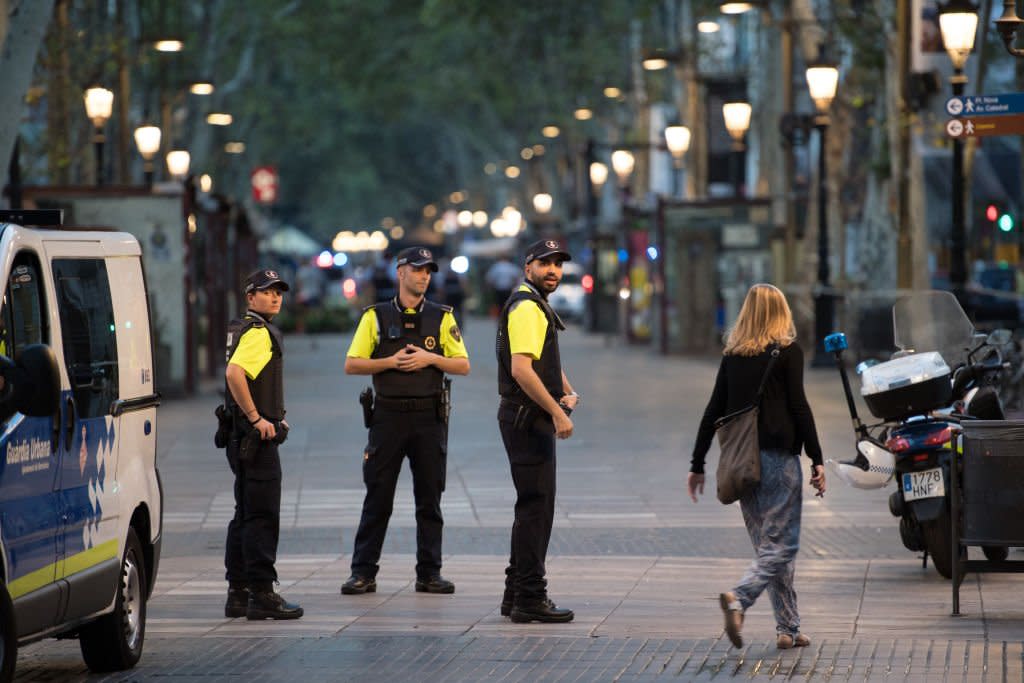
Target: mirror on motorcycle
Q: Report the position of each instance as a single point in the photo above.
(836, 342)
(999, 337)
(864, 365)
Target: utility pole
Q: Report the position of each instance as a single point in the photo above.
(904, 232)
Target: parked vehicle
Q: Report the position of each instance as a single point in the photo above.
(943, 373)
(568, 301)
(80, 495)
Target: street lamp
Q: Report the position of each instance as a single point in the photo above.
(623, 162)
(542, 203)
(958, 20)
(598, 176)
(737, 122)
(178, 161)
(99, 105)
(147, 139)
(822, 81)
(677, 139)
(1007, 26)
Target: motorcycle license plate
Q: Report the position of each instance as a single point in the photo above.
(923, 484)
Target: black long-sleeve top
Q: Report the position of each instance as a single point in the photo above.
(785, 420)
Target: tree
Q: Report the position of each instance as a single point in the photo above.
(22, 25)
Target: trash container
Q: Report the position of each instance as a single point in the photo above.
(988, 496)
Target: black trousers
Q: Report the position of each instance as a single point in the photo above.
(531, 456)
(251, 547)
(394, 435)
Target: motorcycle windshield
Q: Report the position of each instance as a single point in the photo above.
(932, 321)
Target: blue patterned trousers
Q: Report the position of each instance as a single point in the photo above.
(772, 515)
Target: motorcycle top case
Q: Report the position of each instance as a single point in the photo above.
(907, 386)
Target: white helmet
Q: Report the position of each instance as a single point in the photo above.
(873, 467)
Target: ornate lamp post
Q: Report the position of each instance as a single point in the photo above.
(178, 161)
(822, 81)
(737, 121)
(99, 105)
(958, 20)
(147, 139)
(623, 163)
(677, 139)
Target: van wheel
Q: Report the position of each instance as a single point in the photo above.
(114, 641)
(8, 637)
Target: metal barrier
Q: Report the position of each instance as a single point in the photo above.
(986, 497)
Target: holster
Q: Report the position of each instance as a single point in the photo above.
(366, 400)
(225, 425)
(250, 443)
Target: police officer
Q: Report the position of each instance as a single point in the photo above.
(255, 399)
(536, 399)
(407, 344)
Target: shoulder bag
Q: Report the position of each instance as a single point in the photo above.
(739, 465)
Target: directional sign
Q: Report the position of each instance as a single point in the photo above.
(985, 126)
(986, 105)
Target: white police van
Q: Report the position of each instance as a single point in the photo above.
(80, 496)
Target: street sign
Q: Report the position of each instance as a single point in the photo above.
(264, 184)
(986, 105)
(985, 126)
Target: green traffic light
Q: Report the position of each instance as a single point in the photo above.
(1006, 222)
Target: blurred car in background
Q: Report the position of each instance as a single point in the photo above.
(568, 300)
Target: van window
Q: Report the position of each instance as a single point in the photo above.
(23, 315)
(88, 332)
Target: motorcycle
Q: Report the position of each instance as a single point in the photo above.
(942, 374)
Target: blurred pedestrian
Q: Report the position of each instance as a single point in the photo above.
(502, 277)
(255, 402)
(408, 344)
(453, 292)
(763, 329)
(536, 399)
(383, 279)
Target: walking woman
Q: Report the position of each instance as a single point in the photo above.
(785, 427)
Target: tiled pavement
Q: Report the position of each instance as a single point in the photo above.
(640, 564)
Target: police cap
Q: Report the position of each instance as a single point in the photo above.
(416, 256)
(545, 248)
(264, 279)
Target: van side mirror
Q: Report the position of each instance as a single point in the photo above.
(34, 381)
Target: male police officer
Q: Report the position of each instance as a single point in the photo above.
(255, 399)
(536, 399)
(407, 344)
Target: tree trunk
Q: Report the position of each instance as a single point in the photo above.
(25, 24)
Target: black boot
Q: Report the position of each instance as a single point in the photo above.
(237, 603)
(506, 602)
(434, 584)
(540, 610)
(270, 605)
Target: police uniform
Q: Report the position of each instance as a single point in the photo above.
(529, 326)
(255, 345)
(408, 420)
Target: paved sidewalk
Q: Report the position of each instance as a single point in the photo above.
(639, 563)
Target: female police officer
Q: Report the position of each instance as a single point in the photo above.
(536, 398)
(408, 344)
(255, 397)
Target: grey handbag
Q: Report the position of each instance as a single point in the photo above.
(739, 465)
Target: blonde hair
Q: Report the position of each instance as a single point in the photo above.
(765, 318)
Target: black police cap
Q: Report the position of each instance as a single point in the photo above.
(264, 279)
(416, 256)
(545, 248)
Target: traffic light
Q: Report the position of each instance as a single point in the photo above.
(1000, 218)
(1006, 222)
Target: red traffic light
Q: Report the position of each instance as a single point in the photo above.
(992, 212)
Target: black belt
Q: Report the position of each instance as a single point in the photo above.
(405, 405)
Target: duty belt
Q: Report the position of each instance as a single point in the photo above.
(406, 405)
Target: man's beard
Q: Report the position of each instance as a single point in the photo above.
(542, 285)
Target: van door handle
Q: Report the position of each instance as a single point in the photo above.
(69, 430)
